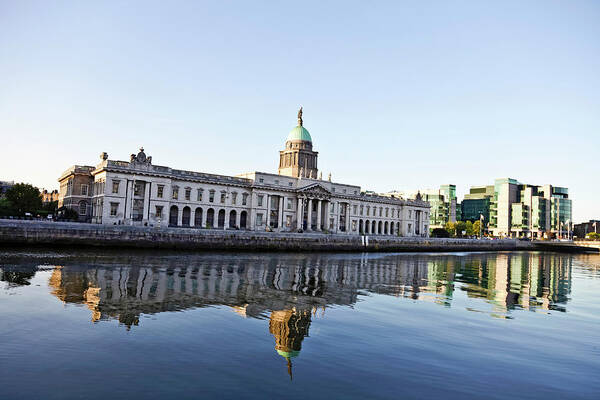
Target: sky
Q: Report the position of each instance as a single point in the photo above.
(397, 95)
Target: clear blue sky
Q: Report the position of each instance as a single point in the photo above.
(396, 95)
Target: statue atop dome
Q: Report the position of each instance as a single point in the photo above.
(300, 117)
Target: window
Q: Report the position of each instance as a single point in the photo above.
(288, 220)
(277, 181)
(344, 190)
(380, 211)
(199, 194)
(115, 186)
(188, 193)
(387, 212)
(159, 211)
(82, 208)
(409, 215)
(113, 208)
(290, 204)
(392, 213)
(244, 199)
(259, 219)
(175, 192)
(290, 183)
(223, 195)
(211, 196)
(159, 191)
(361, 210)
(332, 207)
(331, 223)
(354, 225)
(409, 228)
(84, 190)
(234, 198)
(261, 180)
(259, 200)
(137, 189)
(333, 190)
(355, 209)
(368, 210)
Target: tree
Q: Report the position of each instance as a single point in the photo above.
(450, 228)
(470, 229)
(460, 227)
(476, 228)
(439, 233)
(593, 236)
(24, 198)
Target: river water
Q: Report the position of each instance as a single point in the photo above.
(144, 325)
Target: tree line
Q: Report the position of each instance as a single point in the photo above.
(24, 199)
(458, 229)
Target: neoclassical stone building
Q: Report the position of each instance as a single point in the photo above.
(297, 199)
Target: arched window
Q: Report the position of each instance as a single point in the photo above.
(243, 218)
(198, 217)
(221, 218)
(210, 218)
(232, 217)
(173, 216)
(185, 218)
(82, 208)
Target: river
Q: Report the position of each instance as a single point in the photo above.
(144, 325)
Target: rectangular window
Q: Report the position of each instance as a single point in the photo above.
(159, 191)
(291, 183)
(368, 210)
(409, 214)
(234, 198)
(277, 181)
(244, 199)
(380, 211)
(115, 186)
(175, 192)
(259, 219)
(137, 189)
(409, 228)
(290, 204)
(159, 211)
(387, 211)
(223, 194)
(113, 208)
(199, 194)
(288, 220)
(361, 210)
(331, 223)
(211, 196)
(355, 209)
(354, 225)
(84, 190)
(188, 193)
(261, 180)
(259, 201)
(82, 208)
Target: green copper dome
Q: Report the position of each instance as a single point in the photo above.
(299, 133)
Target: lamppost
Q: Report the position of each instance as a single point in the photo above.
(481, 220)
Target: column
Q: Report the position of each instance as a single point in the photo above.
(327, 205)
(146, 212)
(192, 216)
(179, 214)
(252, 212)
(319, 204)
(280, 222)
(299, 214)
(226, 224)
(309, 215)
(204, 212)
(268, 211)
(238, 218)
(348, 227)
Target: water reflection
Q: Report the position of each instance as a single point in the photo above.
(287, 289)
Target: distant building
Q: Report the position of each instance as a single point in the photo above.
(49, 197)
(477, 203)
(521, 210)
(581, 230)
(4, 186)
(444, 207)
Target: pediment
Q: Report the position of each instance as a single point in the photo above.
(315, 189)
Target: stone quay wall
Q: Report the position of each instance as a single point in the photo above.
(42, 233)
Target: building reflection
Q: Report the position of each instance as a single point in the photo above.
(289, 289)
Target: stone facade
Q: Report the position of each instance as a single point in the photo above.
(76, 191)
(137, 192)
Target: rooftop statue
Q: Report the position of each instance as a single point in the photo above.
(300, 117)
